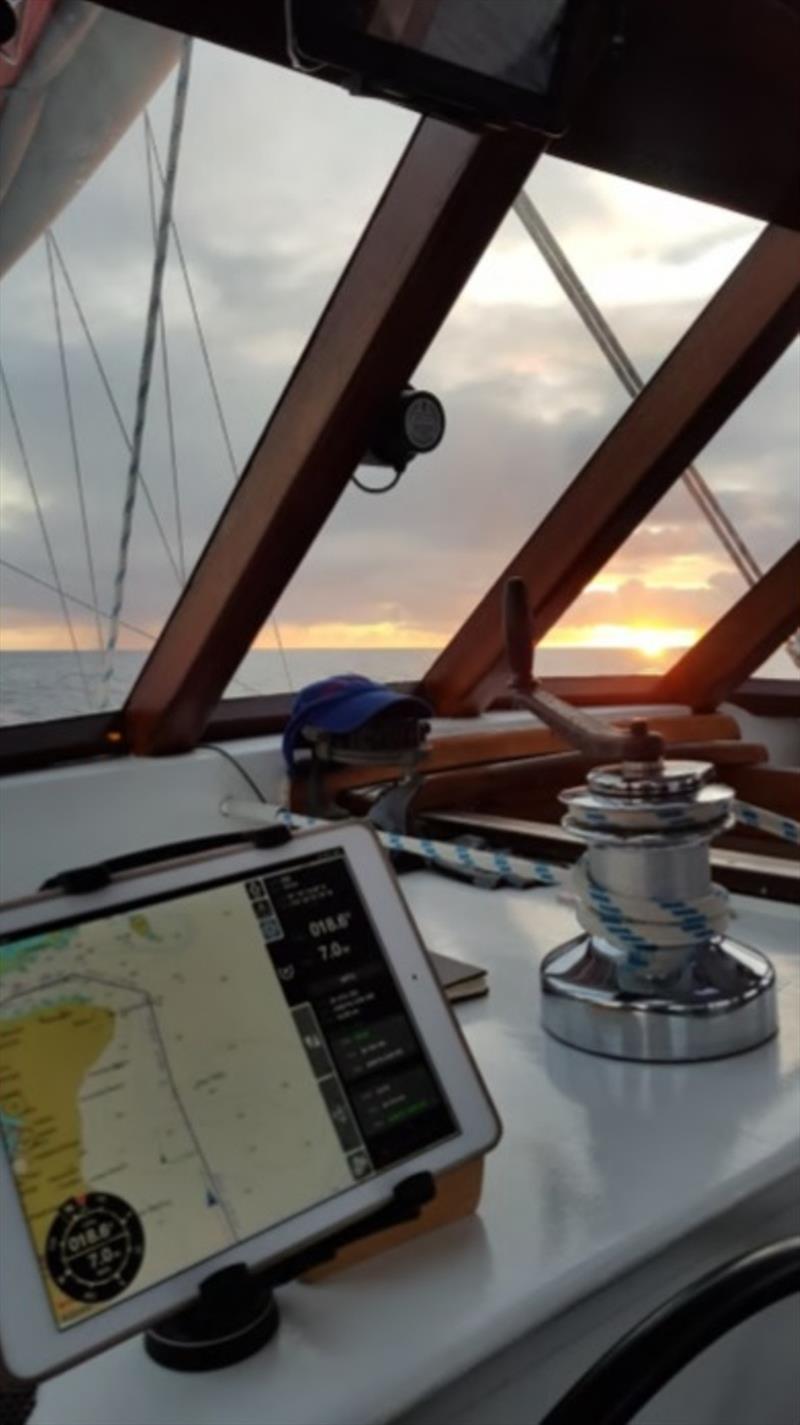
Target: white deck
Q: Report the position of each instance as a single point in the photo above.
(601, 1164)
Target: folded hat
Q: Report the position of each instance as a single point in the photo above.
(343, 704)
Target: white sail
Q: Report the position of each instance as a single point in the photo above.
(64, 103)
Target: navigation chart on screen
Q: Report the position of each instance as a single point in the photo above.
(156, 1098)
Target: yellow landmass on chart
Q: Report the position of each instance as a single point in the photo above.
(44, 1059)
(140, 925)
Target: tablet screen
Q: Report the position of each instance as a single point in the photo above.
(189, 1071)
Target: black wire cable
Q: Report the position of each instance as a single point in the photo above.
(234, 761)
(376, 489)
(16, 1404)
(628, 1375)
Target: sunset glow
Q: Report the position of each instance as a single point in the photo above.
(648, 639)
(651, 640)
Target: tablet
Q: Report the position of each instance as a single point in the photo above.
(215, 1061)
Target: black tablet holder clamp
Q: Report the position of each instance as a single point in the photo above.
(236, 1313)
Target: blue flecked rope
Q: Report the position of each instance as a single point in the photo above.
(514, 870)
(652, 935)
(781, 826)
(649, 934)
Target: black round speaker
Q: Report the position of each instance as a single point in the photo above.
(410, 424)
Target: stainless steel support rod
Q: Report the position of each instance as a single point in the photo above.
(617, 357)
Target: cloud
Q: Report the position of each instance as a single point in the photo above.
(278, 175)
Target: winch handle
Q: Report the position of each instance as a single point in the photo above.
(589, 734)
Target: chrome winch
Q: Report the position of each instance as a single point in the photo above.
(653, 975)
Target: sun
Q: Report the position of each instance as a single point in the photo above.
(650, 640)
(654, 642)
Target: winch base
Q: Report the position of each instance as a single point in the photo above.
(724, 1003)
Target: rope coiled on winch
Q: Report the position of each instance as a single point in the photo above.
(649, 935)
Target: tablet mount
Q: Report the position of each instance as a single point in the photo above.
(236, 1313)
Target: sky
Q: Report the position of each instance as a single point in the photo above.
(278, 174)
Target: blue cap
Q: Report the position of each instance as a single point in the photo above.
(341, 705)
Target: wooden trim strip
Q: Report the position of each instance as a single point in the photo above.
(478, 747)
(26, 746)
(769, 697)
(530, 787)
(734, 341)
(741, 640)
(443, 204)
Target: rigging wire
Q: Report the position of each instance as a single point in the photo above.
(73, 598)
(146, 363)
(73, 435)
(112, 400)
(173, 451)
(617, 357)
(84, 604)
(51, 558)
(206, 355)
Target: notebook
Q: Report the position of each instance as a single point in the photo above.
(458, 978)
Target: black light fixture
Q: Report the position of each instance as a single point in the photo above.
(480, 62)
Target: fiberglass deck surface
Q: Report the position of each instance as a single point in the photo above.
(601, 1164)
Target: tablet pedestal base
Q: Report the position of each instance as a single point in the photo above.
(236, 1313)
(234, 1317)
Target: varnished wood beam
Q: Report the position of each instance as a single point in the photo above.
(442, 206)
(733, 342)
(740, 641)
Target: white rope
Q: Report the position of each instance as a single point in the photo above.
(148, 349)
(649, 936)
(783, 827)
(165, 372)
(463, 859)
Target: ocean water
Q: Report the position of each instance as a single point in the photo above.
(35, 687)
